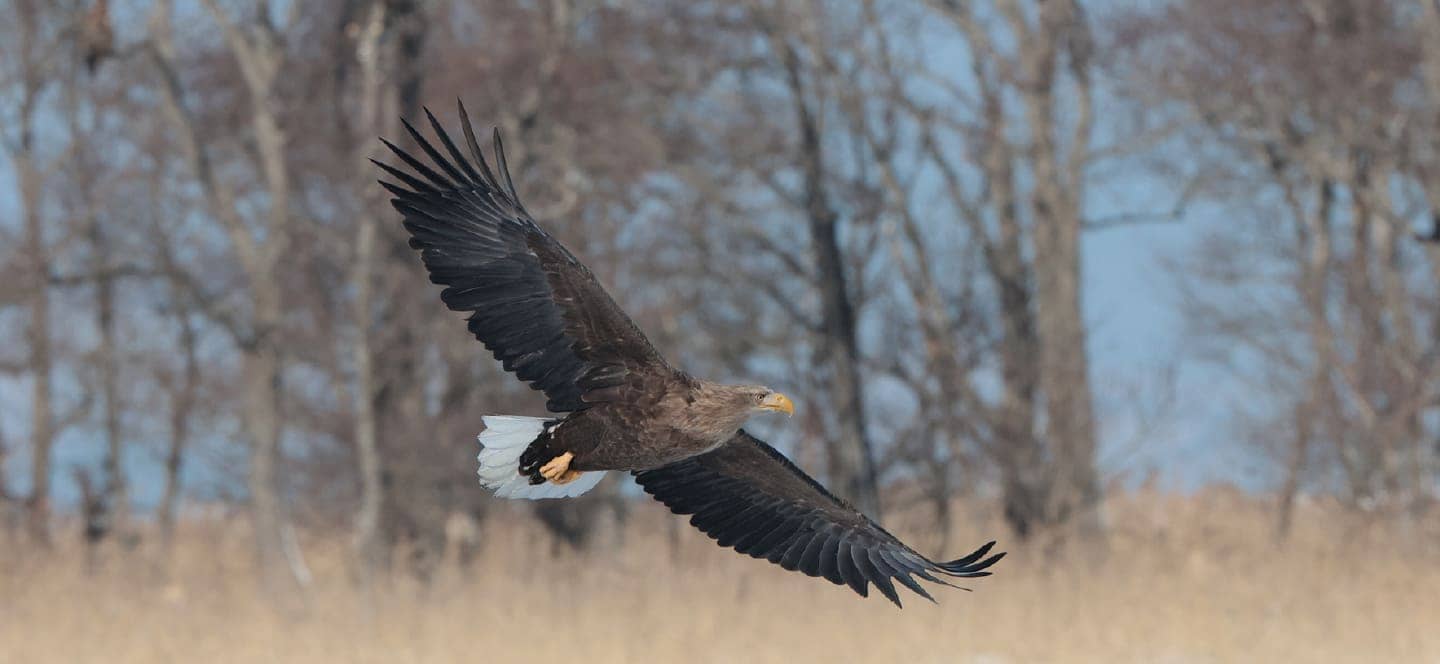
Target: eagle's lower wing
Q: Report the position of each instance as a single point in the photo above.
(538, 309)
(749, 497)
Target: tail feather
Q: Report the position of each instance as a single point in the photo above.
(504, 439)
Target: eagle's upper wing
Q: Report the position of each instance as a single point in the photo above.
(749, 497)
(537, 308)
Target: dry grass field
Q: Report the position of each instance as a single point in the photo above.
(1185, 579)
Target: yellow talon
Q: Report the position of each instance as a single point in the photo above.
(557, 470)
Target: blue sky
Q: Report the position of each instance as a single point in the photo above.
(1137, 333)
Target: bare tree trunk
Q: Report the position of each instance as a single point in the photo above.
(1059, 317)
(1294, 469)
(94, 518)
(259, 52)
(260, 59)
(183, 387)
(37, 333)
(1064, 373)
(10, 517)
(262, 391)
(182, 404)
(367, 519)
(1024, 479)
(395, 356)
(5, 496)
(1402, 358)
(852, 458)
(1428, 451)
(1430, 49)
(114, 491)
(367, 536)
(1043, 433)
(1315, 239)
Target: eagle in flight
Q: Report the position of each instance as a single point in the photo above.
(616, 403)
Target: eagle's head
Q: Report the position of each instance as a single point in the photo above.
(716, 410)
(759, 397)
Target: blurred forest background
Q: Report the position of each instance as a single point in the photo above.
(237, 423)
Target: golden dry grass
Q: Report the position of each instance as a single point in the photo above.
(1185, 580)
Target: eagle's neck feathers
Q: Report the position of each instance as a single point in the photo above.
(715, 411)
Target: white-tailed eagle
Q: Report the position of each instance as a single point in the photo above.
(617, 404)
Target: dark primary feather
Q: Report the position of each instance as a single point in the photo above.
(532, 303)
(749, 497)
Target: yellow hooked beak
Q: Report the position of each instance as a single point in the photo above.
(778, 402)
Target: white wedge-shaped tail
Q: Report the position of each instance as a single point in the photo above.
(502, 442)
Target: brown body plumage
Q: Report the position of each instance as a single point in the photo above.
(619, 405)
(687, 417)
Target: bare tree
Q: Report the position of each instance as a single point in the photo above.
(182, 384)
(1031, 120)
(852, 455)
(35, 60)
(1310, 110)
(370, 23)
(875, 127)
(183, 395)
(102, 273)
(95, 517)
(259, 244)
(9, 503)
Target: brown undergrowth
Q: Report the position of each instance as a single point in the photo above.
(1182, 579)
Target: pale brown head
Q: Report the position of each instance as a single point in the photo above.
(719, 410)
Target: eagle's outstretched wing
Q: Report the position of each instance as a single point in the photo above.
(749, 497)
(537, 308)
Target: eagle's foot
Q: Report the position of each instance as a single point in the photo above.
(557, 470)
